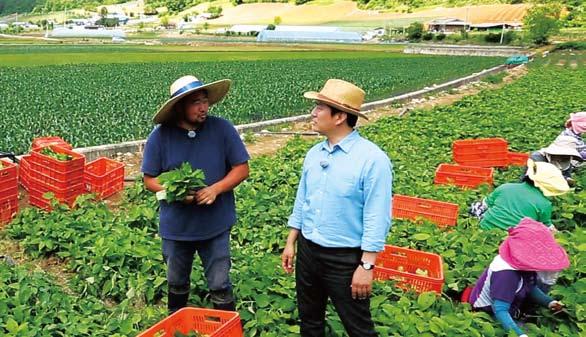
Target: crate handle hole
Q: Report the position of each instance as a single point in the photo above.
(214, 319)
(400, 254)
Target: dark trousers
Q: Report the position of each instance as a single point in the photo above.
(215, 257)
(323, 273)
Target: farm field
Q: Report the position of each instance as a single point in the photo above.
(115, 277)
(348, 13)
(110, 102)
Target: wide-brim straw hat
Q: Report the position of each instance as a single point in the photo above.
(341, 95)
(187, 85)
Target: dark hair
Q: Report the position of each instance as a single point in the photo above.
(179, 109)
(351, 119)
(527, 180)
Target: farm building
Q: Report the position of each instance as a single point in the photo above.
(496, 25)
(448, 25)
(308, 36)
(87, 31)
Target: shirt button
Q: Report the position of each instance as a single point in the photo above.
(317, 211)
(329, 156)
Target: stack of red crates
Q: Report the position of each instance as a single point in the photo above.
(24, 169)
(8, 191)
(48, 175)
(483, 152)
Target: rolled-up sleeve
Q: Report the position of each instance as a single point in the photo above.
(295, 219)
(378, 190)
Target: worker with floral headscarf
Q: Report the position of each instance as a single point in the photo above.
(529, 253)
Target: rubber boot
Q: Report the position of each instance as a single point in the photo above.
(230, 306)
(176, 301)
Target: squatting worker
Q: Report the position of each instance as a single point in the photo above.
(341, 216)
(202, 222)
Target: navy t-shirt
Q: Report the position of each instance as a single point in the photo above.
(215, 149)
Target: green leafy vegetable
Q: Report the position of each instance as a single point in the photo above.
(47, 151)
(180, 182)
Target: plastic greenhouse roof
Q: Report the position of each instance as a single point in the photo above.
(312, 36)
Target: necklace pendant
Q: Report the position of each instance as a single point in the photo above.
(191, 134)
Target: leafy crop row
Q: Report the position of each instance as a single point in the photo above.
(110, 103)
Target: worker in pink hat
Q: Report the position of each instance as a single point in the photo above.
(528, 254)
(576, 127)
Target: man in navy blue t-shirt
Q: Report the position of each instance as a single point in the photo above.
(202, 222)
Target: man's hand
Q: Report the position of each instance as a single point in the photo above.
(206, 196)
(361, 283)
(288, 258)
(190, 198)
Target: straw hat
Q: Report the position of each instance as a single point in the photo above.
(563, 146)
(187, 85)
(341, 95)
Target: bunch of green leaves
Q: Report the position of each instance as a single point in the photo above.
(180, 182)
(47, 151)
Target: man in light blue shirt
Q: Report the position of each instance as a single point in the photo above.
(343, 212)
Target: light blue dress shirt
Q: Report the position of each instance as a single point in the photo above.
(344, 195)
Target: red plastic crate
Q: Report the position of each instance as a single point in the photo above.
(8, 171)
(62, 194)
(46, 141)
(413, 208)
(9, 193)
(104, 177)
(463, 176)
(215, 323)
(36, 199)
(484, 152)
(56, 168)
(49, 177)
(7, 184)
(518, 158)
(400, 264)
(8, 209)
(24, 171)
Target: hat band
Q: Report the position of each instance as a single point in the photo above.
(187, 87)
(337, 102)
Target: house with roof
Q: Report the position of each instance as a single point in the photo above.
(447, 25)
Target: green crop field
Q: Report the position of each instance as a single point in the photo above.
(114, 279)
(105, 101)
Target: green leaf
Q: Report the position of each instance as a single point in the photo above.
(421, 236)
(426, 300)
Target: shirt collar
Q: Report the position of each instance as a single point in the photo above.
(345, 144)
